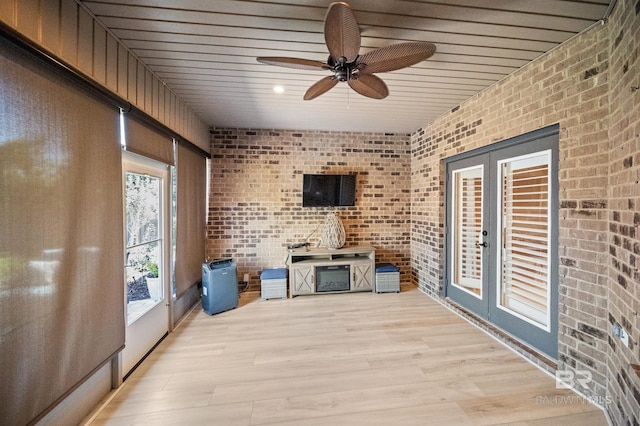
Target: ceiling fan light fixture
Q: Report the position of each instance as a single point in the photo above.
(278, 89)
(342, 37)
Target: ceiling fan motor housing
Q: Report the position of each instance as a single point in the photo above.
(342, 74)
(343, 70)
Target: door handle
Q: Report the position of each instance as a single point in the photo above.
(483, 244)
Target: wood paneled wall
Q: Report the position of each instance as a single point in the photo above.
(69, 32)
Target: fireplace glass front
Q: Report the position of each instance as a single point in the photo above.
(332, 278)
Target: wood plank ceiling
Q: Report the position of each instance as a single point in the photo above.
(205, 51)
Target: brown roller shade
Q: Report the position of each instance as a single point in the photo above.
(145, 140)
(61, 236)
(190, 218)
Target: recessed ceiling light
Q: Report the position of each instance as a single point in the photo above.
(278, 89)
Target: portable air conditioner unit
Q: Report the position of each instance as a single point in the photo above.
(219, 286)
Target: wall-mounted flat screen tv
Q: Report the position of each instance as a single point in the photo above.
(328, 190)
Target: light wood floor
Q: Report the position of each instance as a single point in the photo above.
(339, 359)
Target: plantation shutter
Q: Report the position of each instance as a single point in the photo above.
(525, 245)
(468, 228)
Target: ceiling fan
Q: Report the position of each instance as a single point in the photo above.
(342, 36)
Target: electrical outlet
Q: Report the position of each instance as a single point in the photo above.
(624, 336)
(621, 333)
(246, 278)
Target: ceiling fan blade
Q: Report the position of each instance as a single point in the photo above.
(320, 87)
(395, 57)
(297, 63)
(369, 85)
(341, 32)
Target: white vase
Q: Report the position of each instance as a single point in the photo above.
(153, 284)
(334, 236)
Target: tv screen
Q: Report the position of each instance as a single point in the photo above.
(328, 190)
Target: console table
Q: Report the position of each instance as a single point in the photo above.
(304, 263)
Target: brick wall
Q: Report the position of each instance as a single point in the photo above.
(255, 206)
(587, 87)
(623, 251)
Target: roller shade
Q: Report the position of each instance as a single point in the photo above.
(190, 218)
(142, 138)
(61, 272)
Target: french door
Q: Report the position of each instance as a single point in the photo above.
(501, 236)
(146, 189)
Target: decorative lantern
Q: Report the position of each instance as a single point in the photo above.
(334, 236)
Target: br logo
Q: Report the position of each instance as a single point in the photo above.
(568, 379)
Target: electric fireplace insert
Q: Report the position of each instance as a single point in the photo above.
(332, 278)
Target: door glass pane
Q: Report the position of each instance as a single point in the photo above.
(143, 208)
(525, 237)
(467, 229)
(143, 260)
